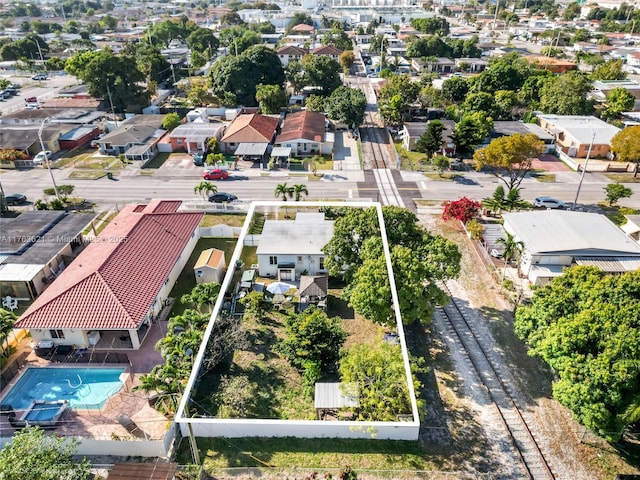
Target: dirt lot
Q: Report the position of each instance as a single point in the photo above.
(574, 453)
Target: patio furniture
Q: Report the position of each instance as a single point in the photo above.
(10, 303)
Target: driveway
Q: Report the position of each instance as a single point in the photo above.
(549, 163)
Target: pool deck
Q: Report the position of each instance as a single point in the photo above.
(105, 424)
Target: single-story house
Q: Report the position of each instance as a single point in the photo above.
(556, 239)
(439, 65)
(250, 136)
(554, 65)
(193, 136)
(25, 139)
(328, 51)
(136, 138)
(108, 297)
(210, 266)
(506, 128)
(412, 131)
(474, 65)
(303, 29)
(59, 115)
(576, 133)
(288, 53)
(35, 247)
(78, 136)
(306, 134)
(602, 89)
(287, 248)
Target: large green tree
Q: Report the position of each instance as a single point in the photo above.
(321, 72)
(471, 130)
(242, 74)
(36, 456)
(203, 40)
(346, 105)
(626, 146)
(378, 371)
(611, 70)
(396, 96)
(618, 100)
(270, 98)
(509, 158)
(418, 259)
(455, 89)
(115, 78)
(585, 325)
(566, 95)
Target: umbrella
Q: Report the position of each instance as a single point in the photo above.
(279, 287)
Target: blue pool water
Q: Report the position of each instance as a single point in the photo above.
(43, 412)
(82, 387)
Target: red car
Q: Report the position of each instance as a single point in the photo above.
(215, 174)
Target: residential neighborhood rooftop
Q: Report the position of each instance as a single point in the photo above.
(580, 233)
(113, 282)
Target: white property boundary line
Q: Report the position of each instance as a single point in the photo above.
(216, 427)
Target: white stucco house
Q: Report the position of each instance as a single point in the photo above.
(291, 248)
(556, 239)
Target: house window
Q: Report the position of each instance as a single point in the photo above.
(179, 141)
(273, 260)
(299, 259)
(321, 263)
(56, 333)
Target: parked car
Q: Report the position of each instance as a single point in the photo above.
(31, 99)
(40, 76)
(32, 106)
(15, 199)
(222, 197)
(40, 157)
(457, 164)
(198, 159)
(95, 143)
(215, 174)
(548, 202)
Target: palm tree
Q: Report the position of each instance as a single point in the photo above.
(283, 190)
(205, 189)
(512, 250)
(300, 189)
(7, 319)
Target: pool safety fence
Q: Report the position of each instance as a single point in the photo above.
(12, 368)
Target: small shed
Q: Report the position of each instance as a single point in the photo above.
(332, 397)
(210, 266)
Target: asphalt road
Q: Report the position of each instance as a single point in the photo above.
(177, 181)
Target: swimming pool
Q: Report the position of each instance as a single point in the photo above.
(88, 388)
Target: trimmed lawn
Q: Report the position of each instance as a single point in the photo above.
(87, 175)
(444, 177)
(542, 176)
(159, 160)
(233, 220)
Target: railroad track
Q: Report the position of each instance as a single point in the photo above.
(528, 451)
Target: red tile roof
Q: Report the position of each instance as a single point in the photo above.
(253, 128)
(303, 27)
(291, 50)
(115, 280)
(327, 50)
(305, 125)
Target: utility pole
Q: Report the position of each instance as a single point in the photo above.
(46, 157)
(495, 16)
(113, 112)
(584, 169)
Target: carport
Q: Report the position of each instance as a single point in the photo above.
(281, 154)
(252, 151)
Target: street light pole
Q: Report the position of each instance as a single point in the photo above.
(584, 169)
(46, 157)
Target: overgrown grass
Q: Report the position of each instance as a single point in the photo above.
(308, 453)
(443, 177)
(623, 177)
